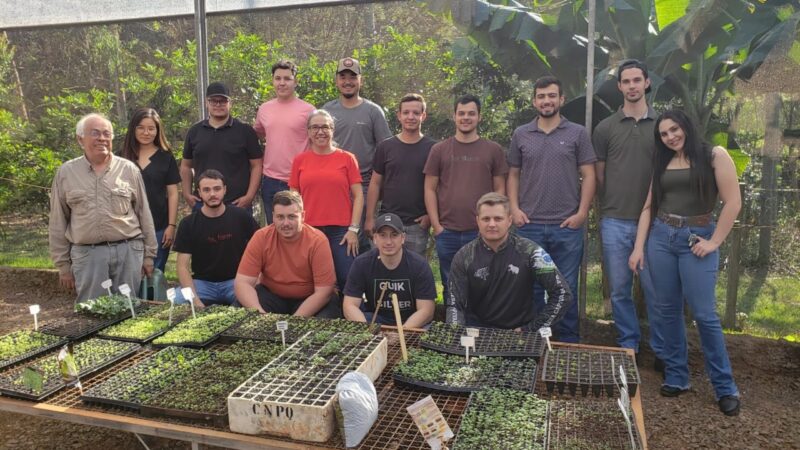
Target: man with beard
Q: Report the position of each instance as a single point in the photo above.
(225, 144)
(459, 170)
(551, 182)
(397, 178)
(287, 267)
(213, 239)
(359, 125)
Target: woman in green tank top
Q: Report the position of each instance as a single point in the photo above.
(677, 242)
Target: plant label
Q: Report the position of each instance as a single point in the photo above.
(474, 332)
(107, 286)
(467, 342)
(125, 290)
(66, 364)
(35, 311)
(546, 333)
(188, 294)
(282, 327)
(171, 298)
(627, 418)
(431, 423)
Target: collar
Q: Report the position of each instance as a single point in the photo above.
(534, 125)
(649, 115)
(88, 164)
(502, 246)
(227, 124)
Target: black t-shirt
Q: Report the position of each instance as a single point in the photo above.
(228, 149)
(410, 280)
(160, 173)
(401, 164)
(215, 243)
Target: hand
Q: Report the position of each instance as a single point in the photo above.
(369, 224)
(147, 268)
(574, 221)
(191, 200)
(198, 304)
(519, 218)
(67, 281)
(351, 239)
(243, 202)
(423, 221)
(636, 261)
(169, 237)
(703, 247)
(437, 229)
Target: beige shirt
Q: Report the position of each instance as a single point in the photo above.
(89, 208)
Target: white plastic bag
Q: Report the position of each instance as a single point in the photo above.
(358, 403)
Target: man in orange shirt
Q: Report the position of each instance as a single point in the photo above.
(287, 267)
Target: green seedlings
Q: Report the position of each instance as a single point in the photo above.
(144, 326)
(446, 337)
(107, 305)
(18, 344)
(502, 419)
(263, 327)
(209, 323)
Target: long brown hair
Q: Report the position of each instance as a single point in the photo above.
(130, 147)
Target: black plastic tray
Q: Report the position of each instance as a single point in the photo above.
(137, 341)
(480, 384)
(216, 419)
(606, 385)
(32, 353)
(233, 334)
(533, 343)
(198, 345)
(65, 327)
(84, 373)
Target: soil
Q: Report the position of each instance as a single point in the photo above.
(767, 372)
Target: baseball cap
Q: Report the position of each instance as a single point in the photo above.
(350, 64)
(217, 88)
(389, 220)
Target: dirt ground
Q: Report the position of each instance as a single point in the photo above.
(767, 372)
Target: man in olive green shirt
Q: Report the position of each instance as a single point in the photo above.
(100, 223)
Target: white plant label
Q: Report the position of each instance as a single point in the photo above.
(107, 286)
(34, 309)
(474, 332)
(189, 295)
(125, 290)
(171, 298)
(431, 423)
(546, 333)
(282, 327)
(467, 342)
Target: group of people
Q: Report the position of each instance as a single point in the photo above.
(350, 210)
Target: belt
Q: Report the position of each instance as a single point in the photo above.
(682, 221)
(110, 243)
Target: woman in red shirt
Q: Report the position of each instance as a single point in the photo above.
(329, 181)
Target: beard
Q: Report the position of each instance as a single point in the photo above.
(550, 114)
(349, 96)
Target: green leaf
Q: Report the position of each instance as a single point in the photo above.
(668, 11)
(33, 379)
(740, 159)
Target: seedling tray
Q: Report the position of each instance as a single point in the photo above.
(589, 425)
(12, 338)
(575, 370)
(179, 315)
(451, 373)
(501, 418)
(142, 379)
(55, 383)
(262, 327)
(79, 325)
(446, 338)
(234, 315)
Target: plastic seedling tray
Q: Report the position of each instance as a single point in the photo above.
(216, 319)
(54, 382)
(446, 338)
(451, 373)
(501, 418)
(574, 370)
(179, 315)
(128, 387)
(79, 325)
(262, 327)
(48, 342)
(589, 424)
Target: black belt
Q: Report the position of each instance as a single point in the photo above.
(110, 243)
(682, 221)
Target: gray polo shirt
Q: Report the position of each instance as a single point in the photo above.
(626, 145)
(359, 130)
(549, 181)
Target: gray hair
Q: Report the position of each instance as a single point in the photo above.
(320, 112)
(79, 128)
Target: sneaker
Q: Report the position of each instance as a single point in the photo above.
(729, 405)
(672, 391)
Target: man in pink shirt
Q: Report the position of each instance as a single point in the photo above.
(281, 122)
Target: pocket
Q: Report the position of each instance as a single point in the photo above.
(78, 253)
(120, 200)
(704, 232)
(137, 245)
(76, 200)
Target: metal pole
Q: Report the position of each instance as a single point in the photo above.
(732, 287)
(588, 123)
(201, 38)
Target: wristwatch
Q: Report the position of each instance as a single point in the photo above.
(354, 228)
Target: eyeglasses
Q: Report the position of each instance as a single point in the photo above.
(315, 128)
(218, 101)
(97, 133)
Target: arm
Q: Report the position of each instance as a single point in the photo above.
(373, 195)
(255, 181)
(499, 184)
(172, 213)
(587, 194)
(185, 276)
(458, 290)
(245, 289)
(315, 302)
(352, 309)
(432, 203)
(141, 209)
(351, 238)
(422, 315)
(186, 183)
(728, 186)
(57, 228)
(517, 215)
(600, 174)
(558, 294)
(636, 260)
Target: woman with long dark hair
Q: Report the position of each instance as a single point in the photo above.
(681, 250)
(146, 146)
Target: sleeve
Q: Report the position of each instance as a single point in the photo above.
(353, 174)
(173, 174)
(188, 149)
(57, 228)
(356, 286)
(183, 240)
(425, 286)
(379, 160)
(558, 294)
(254, 149)
(252, 226)
(294, 175)
(600, 142)
(586, 153)
(499, 164)
(141, 208)
(458, 289)
(432, 165)
(250, 264)
(514, 153)
(380, 128)
(322, 264)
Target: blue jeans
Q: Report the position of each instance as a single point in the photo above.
(210, 293)
(270, 187)
(677, 275)
(341, 260)
(448, 243)
(565, 246)
(618, 236)
(163, 253)
(417, 239)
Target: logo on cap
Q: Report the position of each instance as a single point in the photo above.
(347, 62)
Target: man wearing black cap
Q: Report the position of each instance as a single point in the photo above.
(360, 123)
(225, 144)
(385, 270)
